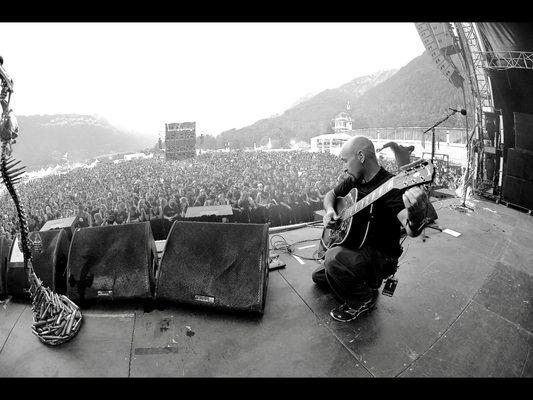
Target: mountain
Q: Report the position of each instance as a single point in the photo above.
(303, 98)
(360, 85)
(415, 95)
(307, 118)
(44, 139)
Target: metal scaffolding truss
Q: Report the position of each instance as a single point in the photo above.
(474, 56)
(501, 60)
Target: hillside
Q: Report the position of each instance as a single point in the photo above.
(308, 118)
(416, 95)
(44, 139)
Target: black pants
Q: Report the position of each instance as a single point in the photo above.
(351, 275)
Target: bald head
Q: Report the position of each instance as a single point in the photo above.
(359, 156)
(356, 144)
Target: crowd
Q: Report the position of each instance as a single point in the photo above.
(447, 175)
(278, 188)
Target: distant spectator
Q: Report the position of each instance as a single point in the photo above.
(171, 212)
(98, 221)
(184, 205)
(83, 218)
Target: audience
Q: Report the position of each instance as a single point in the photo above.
(278, 188)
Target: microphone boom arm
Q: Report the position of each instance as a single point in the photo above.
(440, 122)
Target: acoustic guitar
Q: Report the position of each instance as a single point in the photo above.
(355, 215)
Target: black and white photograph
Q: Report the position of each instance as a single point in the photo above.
(266, 199)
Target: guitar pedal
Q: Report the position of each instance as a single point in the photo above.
(390, 286)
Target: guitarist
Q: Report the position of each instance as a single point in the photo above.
(354, 275)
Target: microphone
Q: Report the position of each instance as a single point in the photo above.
(462, 110)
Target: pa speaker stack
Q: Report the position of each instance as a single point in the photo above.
(518, 182)
(216, 265)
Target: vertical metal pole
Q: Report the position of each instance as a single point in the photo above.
(432, 144)
(501, 147)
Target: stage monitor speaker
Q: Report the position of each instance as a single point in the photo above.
(5, 247)
(69, 224)
(518, 191)
(215, 264)
(523, 128)
(114, 262)
(49, 250)
(520, 164)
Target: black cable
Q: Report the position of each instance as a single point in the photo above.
(315, 253)
(279, 243)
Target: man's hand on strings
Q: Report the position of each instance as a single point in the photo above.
(329, 219)
(416, 202)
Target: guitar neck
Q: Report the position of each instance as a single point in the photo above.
(376, 194)
(414, 174)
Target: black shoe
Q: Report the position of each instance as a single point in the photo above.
(345, 313)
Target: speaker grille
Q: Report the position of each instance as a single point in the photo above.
(215, 264)
(111, 262)
(518, 191)
(519, 164)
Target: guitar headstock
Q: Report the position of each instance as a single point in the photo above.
(414, 174)
(6, 81)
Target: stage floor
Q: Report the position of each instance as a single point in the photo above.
(463, 308)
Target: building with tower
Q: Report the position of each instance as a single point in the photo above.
(342, 121)
(332, 142)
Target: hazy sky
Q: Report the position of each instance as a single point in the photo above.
(221, 75)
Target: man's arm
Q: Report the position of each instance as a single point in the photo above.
(417, 208)
(329, 207)
(285, 205)
(341, 190)
(329, 202)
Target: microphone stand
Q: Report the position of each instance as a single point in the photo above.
(432, 129)
(462, 206)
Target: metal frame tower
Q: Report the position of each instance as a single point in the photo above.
(474, 57)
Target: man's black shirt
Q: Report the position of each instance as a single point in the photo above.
(385, 229)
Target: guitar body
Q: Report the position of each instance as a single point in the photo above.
(353, 229)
